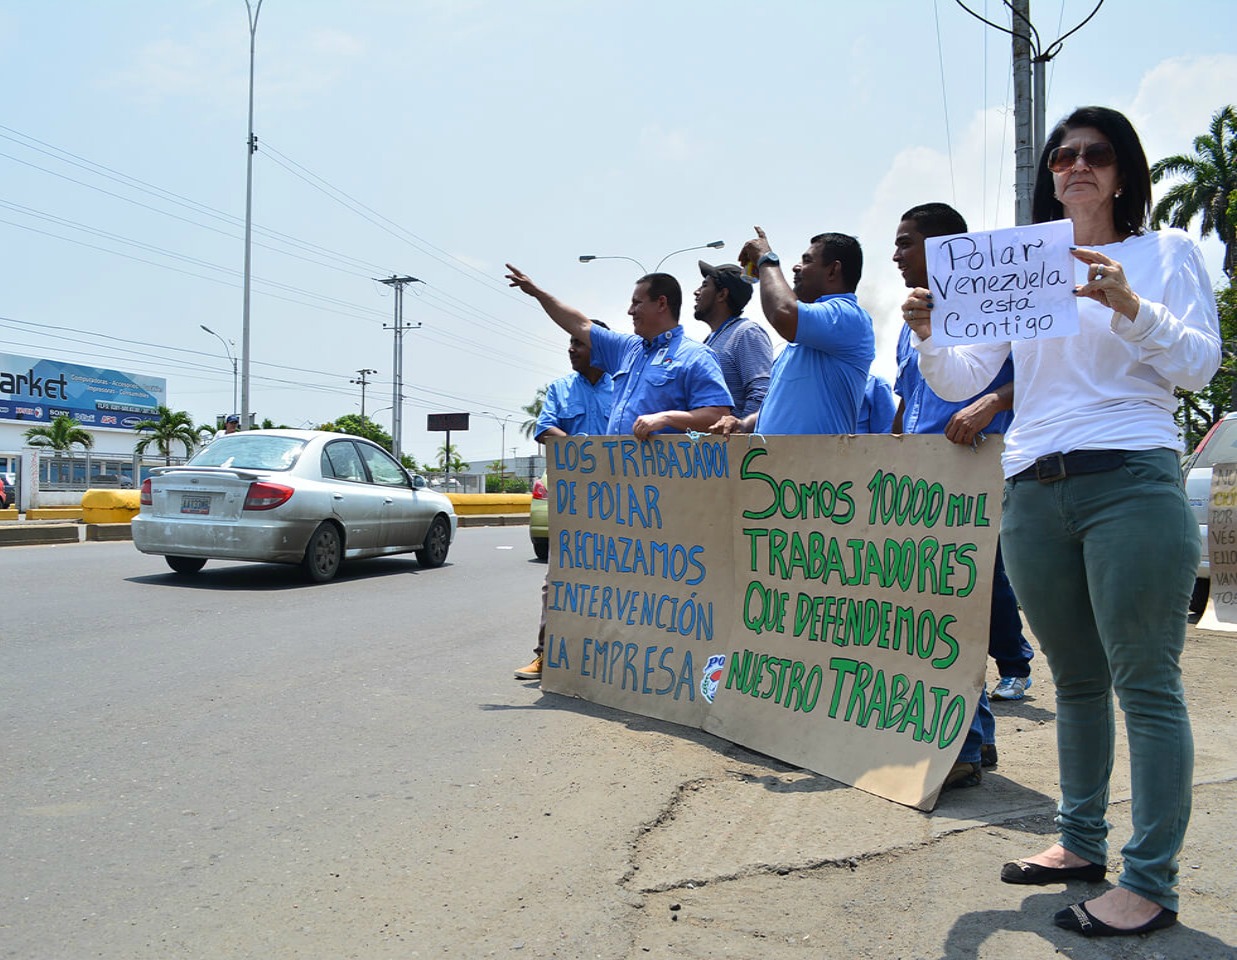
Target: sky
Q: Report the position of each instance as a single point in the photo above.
(441, 139)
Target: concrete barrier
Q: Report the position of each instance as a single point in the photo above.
(26, 534)
(9, 513)
(110, 506)
(102, 532)
(487, 504)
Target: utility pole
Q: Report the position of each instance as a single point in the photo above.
(397, 365)
(251, 146)
(1030, 95)
(364, 383)
(1025, 153)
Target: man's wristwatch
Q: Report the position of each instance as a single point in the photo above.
(769, 257)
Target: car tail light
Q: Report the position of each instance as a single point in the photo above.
(145, 500)
(539, 490)
(266, 496)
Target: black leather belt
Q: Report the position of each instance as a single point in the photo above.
(1058, 466)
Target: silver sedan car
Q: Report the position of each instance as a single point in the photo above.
(291, 496)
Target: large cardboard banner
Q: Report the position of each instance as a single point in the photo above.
(1222, 548)
(824, 600)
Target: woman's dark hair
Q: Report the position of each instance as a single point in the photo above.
(1131, 209)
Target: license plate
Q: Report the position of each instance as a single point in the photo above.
(197, 505)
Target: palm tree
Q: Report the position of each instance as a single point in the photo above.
(60, 435)
(172, 427)
(1208, 188)
(449, 459)
(529, 426)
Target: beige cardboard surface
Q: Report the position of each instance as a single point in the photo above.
(1221, 611)
(824, 600)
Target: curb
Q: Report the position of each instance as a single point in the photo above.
(26, 533)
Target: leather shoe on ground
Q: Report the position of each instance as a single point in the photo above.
(531, 672)
(1077, 917)
(1019, 871)
(963, 774)
(987, 755)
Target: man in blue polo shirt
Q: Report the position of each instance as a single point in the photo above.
(664, 382)
(968, 422)
(818, 380)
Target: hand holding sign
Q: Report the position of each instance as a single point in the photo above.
(1106, 283)
(1003, 285)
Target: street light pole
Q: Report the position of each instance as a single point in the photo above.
(502, 449)
(589, 258)
(251, 145)
(230, 357)
(714, 245)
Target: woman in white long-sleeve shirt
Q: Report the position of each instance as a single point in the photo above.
(1099, 540)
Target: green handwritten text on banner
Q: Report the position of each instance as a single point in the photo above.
(821, 599)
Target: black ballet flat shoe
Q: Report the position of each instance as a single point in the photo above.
(1019, 871)
(1077, 917)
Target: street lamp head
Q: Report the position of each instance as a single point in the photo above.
(586, 257)
(716, 244)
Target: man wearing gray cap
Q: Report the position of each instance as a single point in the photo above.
(742, 345)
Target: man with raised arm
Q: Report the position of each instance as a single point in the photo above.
(817, 382)
(664, 382)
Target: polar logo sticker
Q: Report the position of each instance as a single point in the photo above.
(712, 676)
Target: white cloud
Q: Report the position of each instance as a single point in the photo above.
(1173, 104)
(670, 146)
(213, 67)
(1177, 98)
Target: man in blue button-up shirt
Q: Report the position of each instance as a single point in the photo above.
(664, 382)
(578, 403)
(922, 411)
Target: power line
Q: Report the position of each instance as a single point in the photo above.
(287, 163)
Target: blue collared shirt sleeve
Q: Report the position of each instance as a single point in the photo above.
(878, 408)
(838, 326)
(706, 385)
(752, 351)
(607, 349)
(551, 409)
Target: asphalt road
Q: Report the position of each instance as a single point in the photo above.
(238, 764)
(186, 757)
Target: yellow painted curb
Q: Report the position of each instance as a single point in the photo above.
(489, 504)
(110, 506)
(54, 513)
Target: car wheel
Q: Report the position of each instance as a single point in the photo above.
(437, 542)
(323, 554)
(541, 548)
(1198, 599)
(186, 564)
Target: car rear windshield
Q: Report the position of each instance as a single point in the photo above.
(1221, 448)
(250, 453)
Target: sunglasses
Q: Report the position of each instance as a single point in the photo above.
(1095, 155)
